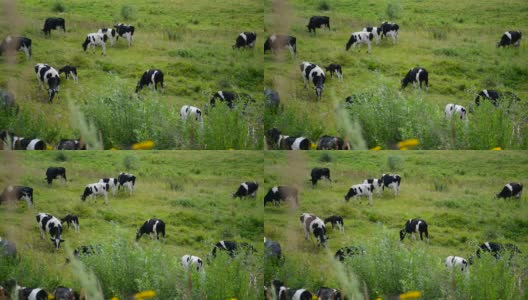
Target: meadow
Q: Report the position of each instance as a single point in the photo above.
(189, 41)
(190, 191)
(454, 40)
(453, 191)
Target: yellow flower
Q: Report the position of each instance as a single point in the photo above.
(114, 298)
(410, 295)
(114, 148)
(496, 148)
(313, 146)
(145, 294)
(314, 297)
(49, 147)
(50, 297)
(146, 145)
(408, 143)
(377, 148)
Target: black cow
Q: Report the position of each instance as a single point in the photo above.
(245, 39)
(151, 227)
(14, 192)
(8, 103)
(48, 75)
(494, 97)
(50, 224)
(224, 96)
(26, 293)
(245, 189)
(511, 189)
(232, 248)
(125, 31)
(69, 71)
(276, 42)
(414, 76)
(273, 251)
(325, 293)
(151, 77)
(317, 22)
(348, 251)
(66, 144)
(336, 221)
(510, 38)
(53, 23)
(278, 193)
(327, 142)
(18, 43)
(126, 180)
(313, 73)
(54, 172)
(64, 293)
(320, 173)
(335, 68)
(72, 220)
(413, 226)
(7, 248)
(390, 29)
(272, 98)
(498, 249)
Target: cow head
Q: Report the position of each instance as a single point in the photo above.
(402, 234)
(320, 233)
(351, 41)
(87, 192)
(319, 89)
(85, 44)
(57, 241)
(138, 234)
(351, 193)
(53, 86)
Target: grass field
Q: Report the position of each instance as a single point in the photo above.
(189, 41)
(454, 40)
(453, 191)
(190, 191)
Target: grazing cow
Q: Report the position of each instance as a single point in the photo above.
(245, 189)
(125, 31)
(66, 144)
(510, 38)
(320, 173)
(95, 39)
(456, 262)
(335, 68)
(327, 142)
(314, 225)
(188, 110)
(151, 78)
(54, 172)
(359, 190)
(151, 227)
(53, 23)
(245, 39)
(7, 102)
(376, 31)
(276, 42)
(278, 193)
(7, 248)
(194, 261)
(497, 249)
(413, 226)
(325, 293)
(272, 98)
(511, 189)
(110, 34)
(274, 139)
(50, 224)
(376, 184)
(72, 220)
(13, 142)
(94, 189)
(314, 73)
(126, 180)
(336, 221)
(25, 293)
(318, 22)
(455, 109)
(348, 251)
(64, 293)
(358, 38)
(232, 248)
(48, 75)
(273, 250)
(69, 71)
(229, 98)
(18, 43)
(391, 181)
(415, 76)
(112, 184)
(390, 29)
(494, 97)
(14, 192)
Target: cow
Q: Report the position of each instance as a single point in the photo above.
(413, 226)
(276, 42)
(231, 248)
(93, 189)
(359, 190)
(110, 34)
(16, 192)
(335, 68)
(71, 220)
(126, 180)
(48, 75)
(391, 181)
(358, 38)
(95, 39)
(273, 251)
(494, 97)
(69, 71)
(318, 22)
(53, 23)
(151, 78)
(18, 43)
(325, 293)
(318, 174)
(245, 189)
(348, 251)
(192, 261)
(54, 172)
(376, 31)
(7, 248)
(245, 39)
(50, 224)
(70, 144)
(278, 193)
(64, 293)
(327, 142)
(455, 109)
(275, 139)
(125, 31)
(390, 29)
(286, 293)
(314, 73)
(415, 76)
(336, 221)
(314, 225)
(511, 189)
(13, 142)
(151, 227)
(453, 262)
(188, 110)
(26, 293)
(112, 184)
(229, 98)
(272, 98)
(510, 38)
(498, 249)
(8, 103)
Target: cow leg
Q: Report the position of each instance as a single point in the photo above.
(413, 236)
(369, 46)
(42, 233)
(370, 199)
(106, 198)
(104, 48)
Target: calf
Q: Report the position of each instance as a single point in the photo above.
(94, 189)
(413, 226)
(497, 249)
(390, 29)
(53, 23)
(54, 172)
(510, 38)
(124, 31)
(336, 221)
(110, 34)
(359, 190)
(348, 251)
(112, 184)
(126, 180)
(194, 261)
(273, 250)
(455, 109)
(456, 262)
(274, 139)
(314, 225)
(14, 192)
(272, 98)
(25, 293)
(318, 174)
(494, 97)
(151, 227)
(245, 39)
(50, 224)
(358, 38)
(64, 293)
(7, 248)
(66, 144)
(19, 43)
(276, 42)
(415, 76)
(48, 75)
(69, 71)
(73, 220)
(245, 189)
(325, 293)
(231, 248)
(150, 78)
(95, 39)
(335, 68)
(511, 189)
(188, 110)
(278, 193)
(376, 31)
(327, 142)
(314, 73)
(318, 22)
(377, 185)
(391, 181)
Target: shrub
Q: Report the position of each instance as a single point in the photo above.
(323, 5)
(326, 158)
(393, 10)
(130, 162)
(58, 6)
(127, 12)
(395, 163)
(60, 156)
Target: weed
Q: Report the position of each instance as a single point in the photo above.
(323, 5)
(58, 6)
(127, 12)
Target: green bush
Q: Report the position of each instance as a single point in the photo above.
(395, 163)
(58, 6)
(323, 5)
(326, 158)
(393, 10)
(127, 12)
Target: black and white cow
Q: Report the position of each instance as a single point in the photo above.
(313, 73)
(455, 109)
(151, 78)
(188, 261)
(227, 97)
(277, 42)
(16, 192)
(510, 38)
(72, 144)
(348, 251)
(390, 29)
(50, 224)
(286, 293)
(245, 39)
(193, 111)
(232, 248)
(54, 172)
(245, 189)
(318, 22)
(72, 220)
(152, 227)
(314, 225)
(273, 250)
(336, 221)
(94, 189)
(7, 248)
(69, 71)
(360, 190)
(112, 184)
(125, 31)
(48, 75)
(327, 142)
(95, 39)
(276, 140)
(358, 38)
(13, 142)
(8, 103)
(26, 293)
(325, 293)
(318, 174)
(64, 293)
(453, 262)
(53, 23)
(511, 189)
(110, 34)
(498, 249)
(391, 181)
(126, 180)
(413, 226)
(377, 185)
(18, 43)
(376, 31)
(281, 193)
(494, 97)
(415, 76)
(272, 98)
(337, 69)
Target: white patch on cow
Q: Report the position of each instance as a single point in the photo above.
(418, 75)
(486, 93)
(188, 110)
(509, 187)
(273, 38)
(33, 294)
(152, 80)
(417, 229)
(243, 36)
(222, 243)
(297, 294)
(154, 230)
(221, 94)
(456, 261)
(275, 189)
(487, 246)
(508, 35)
(245, 186)
(297, 143)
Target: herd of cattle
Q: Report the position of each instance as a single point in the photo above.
(315, 227)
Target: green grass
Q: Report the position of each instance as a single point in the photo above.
(190, 191)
